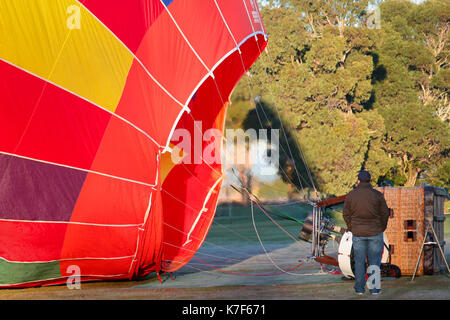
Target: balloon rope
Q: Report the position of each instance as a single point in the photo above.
(292, 130)
(249, 274)
(278, 113)
(262, 245)
(252, 201)
(196, 211)
(277, 224)
(248, 83)
(213, 244)
(335, 271)
(194, 252)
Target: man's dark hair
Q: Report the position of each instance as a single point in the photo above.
(364, 176)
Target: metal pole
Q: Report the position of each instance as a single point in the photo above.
(420, 254)
(319, 222)
(313, 234)
(313, 241)
(316, 219)
(430, 225)
(439, 245)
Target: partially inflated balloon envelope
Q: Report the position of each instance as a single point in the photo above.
(91, 93)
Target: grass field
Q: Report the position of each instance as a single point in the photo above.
(240, 223)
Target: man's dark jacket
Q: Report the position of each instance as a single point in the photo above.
(365, 211)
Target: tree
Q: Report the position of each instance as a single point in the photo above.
(414, 136)
(350, 97)
(431, 21)
(319, 83)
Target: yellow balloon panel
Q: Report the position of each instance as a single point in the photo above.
(60, 41)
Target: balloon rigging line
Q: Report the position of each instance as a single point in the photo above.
(262, 245)
(253, 200)
(218, 90)
(249, 84)
(247, 191)
(225, 139)
(251, 196)
(286, 204)
(196, 211)
(283, 129)
(215, 82)
(184, 37)
(258, 103)
(281, 122)
(220, 225)
(42, 93)
(283, 271)
(203, 214)
(194, 251)
(215, 256)
(201, 262)
(280, 145)
(214, 271)
(284, 132)
(308, 170)
(214, 221)
(285, 136)
(191, 49)
(283, 215)
(244, 254)
(223, 264)
(295, 140)
(277, 224)
(48, 81)
(250, 274)
(133, 54)
(242, 61)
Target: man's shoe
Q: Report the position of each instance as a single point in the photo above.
(359, 293)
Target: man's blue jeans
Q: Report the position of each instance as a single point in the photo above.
(372, 248)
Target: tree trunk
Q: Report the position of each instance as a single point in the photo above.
(246, 178)
(412, 177)
(291, 191)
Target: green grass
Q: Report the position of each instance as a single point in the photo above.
(273, 190)
(447, 227)
(237, 225)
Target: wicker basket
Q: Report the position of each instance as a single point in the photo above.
(411, 207)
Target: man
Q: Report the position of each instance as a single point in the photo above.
(366, 215)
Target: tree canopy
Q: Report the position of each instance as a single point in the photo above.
(348, 96)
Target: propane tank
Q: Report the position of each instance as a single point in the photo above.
(345, 254)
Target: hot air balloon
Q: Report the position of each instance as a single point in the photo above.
(91, 93)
